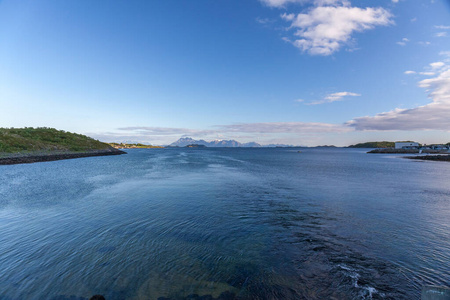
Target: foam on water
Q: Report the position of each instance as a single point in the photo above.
(366, 292)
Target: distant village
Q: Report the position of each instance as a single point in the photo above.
(413, 147)
(417, 146)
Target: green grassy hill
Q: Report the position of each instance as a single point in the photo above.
(383, 144)
(44, 140)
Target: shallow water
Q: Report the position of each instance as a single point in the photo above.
(253, 223)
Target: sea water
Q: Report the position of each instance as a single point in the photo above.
(225, 223)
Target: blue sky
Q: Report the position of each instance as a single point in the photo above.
(302, 72)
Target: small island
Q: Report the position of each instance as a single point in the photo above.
(195, 146)
(29, 145)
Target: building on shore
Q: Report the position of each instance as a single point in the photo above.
(406, 145)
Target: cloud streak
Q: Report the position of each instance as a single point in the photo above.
(164, 131)
(281, 3)
(403, 42)
(285, 127)
(334, 97)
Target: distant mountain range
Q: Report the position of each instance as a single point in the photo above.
(183, 142)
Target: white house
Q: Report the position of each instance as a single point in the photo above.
(406, 145)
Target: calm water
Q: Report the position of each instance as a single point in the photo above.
(257, 223)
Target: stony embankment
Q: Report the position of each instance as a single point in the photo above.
(406, 151)
(431, 157)
(40, 157)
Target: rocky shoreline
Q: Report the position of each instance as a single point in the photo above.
(406, 151)
(431, 157)
(32, 158)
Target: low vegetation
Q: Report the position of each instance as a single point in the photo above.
(43, 139)
(132, 146)
(383, 144)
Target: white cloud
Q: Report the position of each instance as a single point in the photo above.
(287, 17)
(334, 97)
(322, 30)
(427, 73)
(432, 116)
(441, 34)
(440, 88)
(445, 53)
(437, 65)
(410, 72)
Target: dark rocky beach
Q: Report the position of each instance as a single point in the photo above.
(431, 157)
(42, 157)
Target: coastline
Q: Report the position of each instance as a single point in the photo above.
(28, 158)
(431, 157)
(406, 151)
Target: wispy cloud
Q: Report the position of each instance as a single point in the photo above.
(326, 27)
(334, 97)
(403, 42)
(427, 73)
(442, 33)
(432, 116)
(442, 27)
(263, 21)
(281, 3)
(420, 73)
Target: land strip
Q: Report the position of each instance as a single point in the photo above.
(32, 158)
(431, 157)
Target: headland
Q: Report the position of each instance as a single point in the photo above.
(29, 145)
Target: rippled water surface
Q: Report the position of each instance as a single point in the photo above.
(225, 223)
